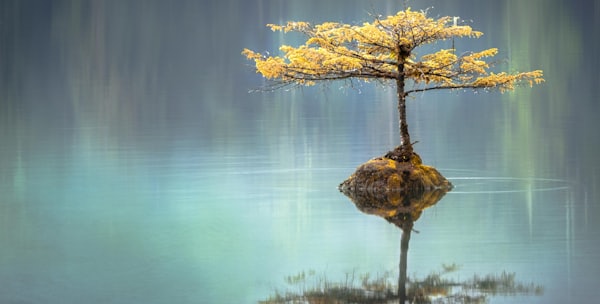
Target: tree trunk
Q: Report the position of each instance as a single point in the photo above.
(404, 135)
(405, 150)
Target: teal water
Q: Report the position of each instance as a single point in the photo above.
(135, 167)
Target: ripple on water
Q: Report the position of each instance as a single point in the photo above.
(474, 182)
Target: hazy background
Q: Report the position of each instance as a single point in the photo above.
(136, 167)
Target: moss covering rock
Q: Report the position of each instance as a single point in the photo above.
(397, 187)
(391, 174)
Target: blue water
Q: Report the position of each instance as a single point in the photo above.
(135, 167)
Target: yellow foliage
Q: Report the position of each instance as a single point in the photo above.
(250, 54)
(506, 82)
(376, 50)
(272, 67)
(290, 26)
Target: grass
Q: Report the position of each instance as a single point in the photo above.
(310, 288)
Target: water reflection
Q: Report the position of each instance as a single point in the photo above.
(403, 209)
(135, 167)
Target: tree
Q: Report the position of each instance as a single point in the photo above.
(385, 50)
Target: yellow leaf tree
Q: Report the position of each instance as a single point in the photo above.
(386, 50)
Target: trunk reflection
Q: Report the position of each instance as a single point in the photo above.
(401, 207)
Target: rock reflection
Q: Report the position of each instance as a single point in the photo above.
(401, 208)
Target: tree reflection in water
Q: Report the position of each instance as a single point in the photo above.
(401, 208)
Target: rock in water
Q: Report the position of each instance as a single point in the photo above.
(384, 174)
(398, 191)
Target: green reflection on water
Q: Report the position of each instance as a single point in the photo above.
(99, 88)
(544, 36)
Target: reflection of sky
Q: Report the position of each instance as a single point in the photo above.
(127, 131)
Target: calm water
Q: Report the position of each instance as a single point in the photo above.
(135, 167)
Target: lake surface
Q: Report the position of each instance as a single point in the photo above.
(135, 167)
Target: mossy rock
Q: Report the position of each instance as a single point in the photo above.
(385, 174)
(398, 191)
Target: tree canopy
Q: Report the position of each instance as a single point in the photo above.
(383, 50)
